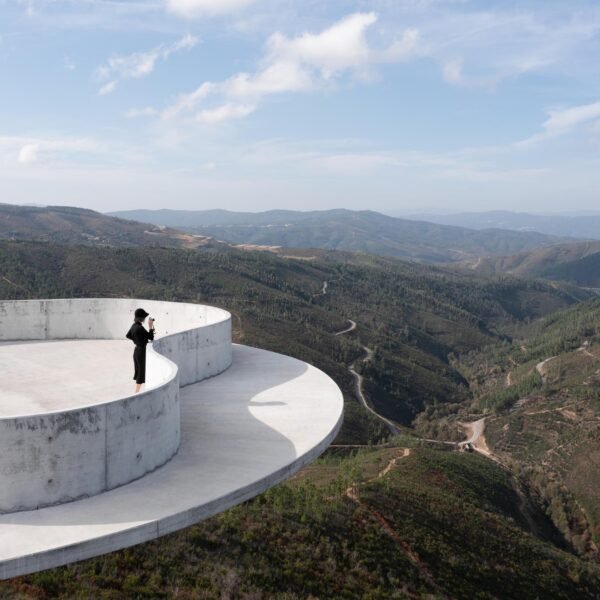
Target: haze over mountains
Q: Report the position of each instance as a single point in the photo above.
(579, 226)
(363, 231)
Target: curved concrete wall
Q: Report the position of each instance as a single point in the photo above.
(56, 457)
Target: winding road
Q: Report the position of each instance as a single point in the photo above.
(325, 287)
(360, 394)
(349, 329)
(359, 384)
(540, 368)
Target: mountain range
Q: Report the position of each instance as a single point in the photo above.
(362, 231)
(484, 252)
(71, 225)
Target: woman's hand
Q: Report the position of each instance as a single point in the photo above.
(151, 323)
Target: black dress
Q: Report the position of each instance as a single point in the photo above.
(140, 337)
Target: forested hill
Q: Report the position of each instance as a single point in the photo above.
(364, 231)
(576, 263)
(388, 521)
(70, 225)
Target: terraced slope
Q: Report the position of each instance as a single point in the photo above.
(544, 396)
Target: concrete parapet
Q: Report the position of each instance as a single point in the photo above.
(59, 456)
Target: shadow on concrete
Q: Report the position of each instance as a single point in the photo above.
(225, 448)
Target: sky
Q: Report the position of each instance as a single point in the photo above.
(398, 106)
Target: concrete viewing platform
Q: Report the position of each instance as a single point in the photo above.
(197, 450)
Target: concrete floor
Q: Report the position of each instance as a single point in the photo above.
(242, 432)
(45, 376)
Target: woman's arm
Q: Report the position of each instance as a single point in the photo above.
(151, 331)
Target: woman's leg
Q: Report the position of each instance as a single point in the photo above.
(139, 368)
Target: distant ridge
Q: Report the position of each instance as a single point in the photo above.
(342, 229)
(579, 226)
(71, 225)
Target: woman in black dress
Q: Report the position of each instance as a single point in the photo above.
(140, 337)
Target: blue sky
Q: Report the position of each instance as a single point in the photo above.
(392, 105)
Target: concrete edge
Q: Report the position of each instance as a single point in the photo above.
(34, 563)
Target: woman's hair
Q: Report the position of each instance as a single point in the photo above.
(139, 315)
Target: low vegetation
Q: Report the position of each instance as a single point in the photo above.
(543, 396)
(435, 525)
(396, 520)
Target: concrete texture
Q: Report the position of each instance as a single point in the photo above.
(57, 375)
(242, 432)
(60, 454)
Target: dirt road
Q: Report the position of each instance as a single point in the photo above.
(475, 430)
(541, 368)
(359, 383)
(349, 329)
(360, 395)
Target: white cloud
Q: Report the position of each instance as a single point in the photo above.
(30, 150)
(304, 63)
(453, 71)
(564, 121)
(192, 9)
(225, 113)
(108, 88)
(341, 46)
(139, 64)
(28, 154)
(501, 43)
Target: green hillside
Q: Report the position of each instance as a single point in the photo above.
(379, 524)
(391, 521)
(544, 396)
(584, 271)
(576, 263)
